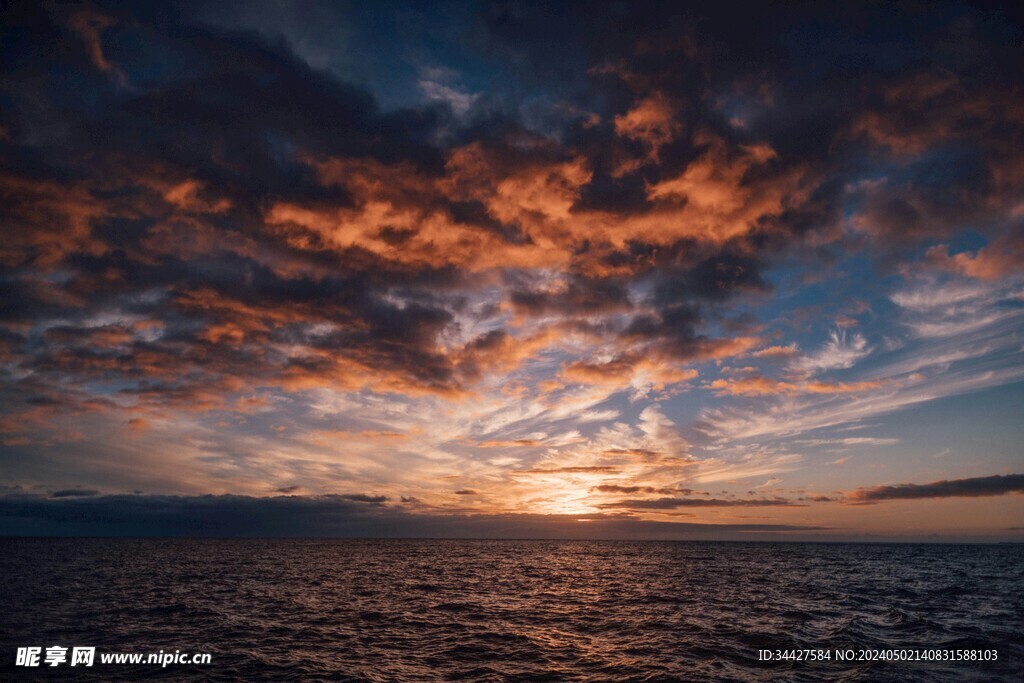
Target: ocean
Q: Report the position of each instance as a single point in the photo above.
(478, 610)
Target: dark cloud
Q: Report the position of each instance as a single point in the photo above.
(674, 503)
(716, 277)
(640, 452)
(996, 485)
(602, 469)
(364, 498)
(616, 488)
(146, 152)
(324, 516)
(74, 493)
(583, 296)
(159, 181)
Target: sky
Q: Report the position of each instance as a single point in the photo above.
(584, 270)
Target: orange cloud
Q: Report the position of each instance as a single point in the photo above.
(188, 196)
(89, 26)
(514, 443)
(624, 370)
(931, 101)
(52, 220)
(1001, 258)
(715, 199)
(402, 214)
(356, 370)
(105, 337)
(652, 121)
(762, 386)
(235, 320)
(776, 351)
(324, 436)
(590, 469)
(499, 351)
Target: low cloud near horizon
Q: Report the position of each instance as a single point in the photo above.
(328, 516)
(75, 512)
(975, 487)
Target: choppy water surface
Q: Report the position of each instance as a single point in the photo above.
(309, 610)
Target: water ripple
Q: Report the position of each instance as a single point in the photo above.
(318, 610)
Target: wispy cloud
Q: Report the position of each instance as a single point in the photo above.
(849, 441)
(842, 350)
(459, 100)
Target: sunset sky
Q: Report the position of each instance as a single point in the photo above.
(512, 269)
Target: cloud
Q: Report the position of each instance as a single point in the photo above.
(638, 452)
(74, 493)
(995, 485)
(508, 443)
(935, 307)
(841, 351)
(761, 386)
(594, 469)
(325, 516)
(652, 121)
(624, 371)
(1003, 257)
(294, 270)
(850, 441)
(776, 351)
(615, 488)
(743, 464)
(90, 26)
(675, 503)
(458, 100)
(364, 498)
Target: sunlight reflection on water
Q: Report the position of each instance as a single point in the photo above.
(514, 610)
